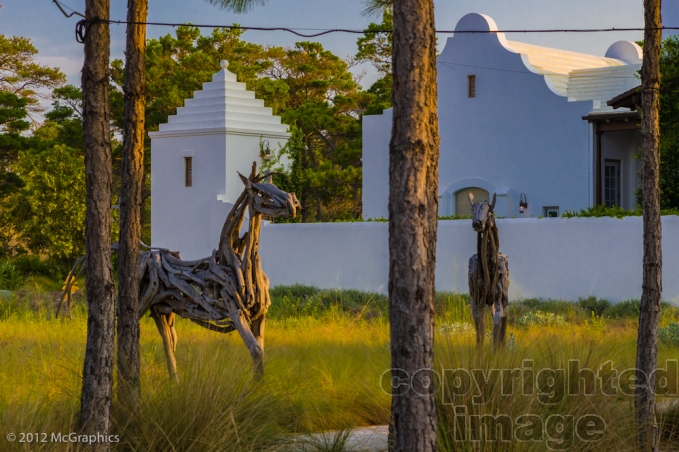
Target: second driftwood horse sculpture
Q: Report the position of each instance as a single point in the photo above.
(488, 274)
(225, 292)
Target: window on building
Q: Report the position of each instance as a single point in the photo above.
(462, 205)
(612, 183)
(550, 211)
(188, 171)
(471, 86)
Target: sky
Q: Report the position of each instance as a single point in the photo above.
(53, 34)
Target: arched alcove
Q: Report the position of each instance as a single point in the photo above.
(454, 197)
(462, 204)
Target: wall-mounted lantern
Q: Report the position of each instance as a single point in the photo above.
(523, 203)
(267, 151)
(267, 157)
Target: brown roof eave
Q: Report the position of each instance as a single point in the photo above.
(629, 99)
(612, 117)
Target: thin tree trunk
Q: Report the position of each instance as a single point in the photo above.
(647, 342)
(413, 205)
(98, 366)
(131, 204)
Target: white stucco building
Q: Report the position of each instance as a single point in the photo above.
(516, 119)
(195, 157)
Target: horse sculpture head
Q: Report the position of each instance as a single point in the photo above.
(267, 199)
(482, 213)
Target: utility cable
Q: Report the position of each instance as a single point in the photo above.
(81, 27)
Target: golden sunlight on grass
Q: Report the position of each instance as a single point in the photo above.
(324, 370)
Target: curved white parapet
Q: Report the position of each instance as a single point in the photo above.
(627, 51)
(476, 22)
(577, 76)
(482, 23)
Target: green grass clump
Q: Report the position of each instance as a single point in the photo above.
(457, 328)
(593, 304)
(11, 277)
(669, 335)
(624, 309)
(301, 301)
(30, 264)
(614, 211)
(539, 318)
(28, 270)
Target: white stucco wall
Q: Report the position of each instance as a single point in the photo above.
(182, 217)
(550, 258)
(375, 162)
(516, 136)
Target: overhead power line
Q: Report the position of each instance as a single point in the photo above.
(81, 27)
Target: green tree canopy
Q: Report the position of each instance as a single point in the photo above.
(669, 124)
(48, 214)
(375, 47)
(20, 74)
(12, 123)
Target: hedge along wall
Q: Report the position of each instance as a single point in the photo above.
(548, 258)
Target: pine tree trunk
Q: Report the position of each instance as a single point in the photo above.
(647, 342)
(413, 209)
(98, 366)
(130, 204)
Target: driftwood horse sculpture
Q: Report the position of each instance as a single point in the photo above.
(225, 292)
(488, 274)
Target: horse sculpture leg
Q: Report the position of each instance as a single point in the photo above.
(503, 330)
(165, 324)
(499, 319)
(477, 304)
(480, 322)
(252, 344)
(258, 331)
(501, 295)
(498, 340)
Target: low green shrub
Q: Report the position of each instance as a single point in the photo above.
(457, 328)
(30, 264)
(452, 307)
(11, 277)
(540, 304)
(455, 217)
(595, 305)
(301, 300)
(669, 335)
(624, 309)
(539, 318)
(615, 212)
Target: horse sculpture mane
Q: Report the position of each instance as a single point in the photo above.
(488, 274)
(225, 292)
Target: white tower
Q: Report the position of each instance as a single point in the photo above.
(194, 159)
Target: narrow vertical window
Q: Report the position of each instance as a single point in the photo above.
(188, 171)
(471, 86)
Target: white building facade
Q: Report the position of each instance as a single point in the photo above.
(518, 119)
(195, 158)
